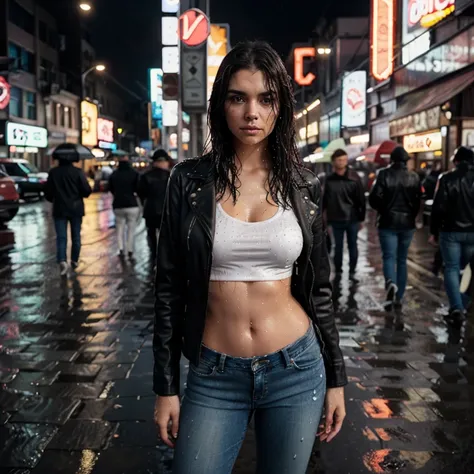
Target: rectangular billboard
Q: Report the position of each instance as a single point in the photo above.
(155, 84)
(105, 130)
(90, 115)
(354, 99)
(26, 135)
(218, 45)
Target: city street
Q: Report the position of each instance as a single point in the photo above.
(76, 362)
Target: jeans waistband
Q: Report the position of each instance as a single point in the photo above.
(282, 356)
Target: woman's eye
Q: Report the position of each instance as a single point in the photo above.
(237, 99)
(267, 101)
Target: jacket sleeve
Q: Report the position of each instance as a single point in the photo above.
(169, 295)
(321, 300)
(361, 199)
(49, 188)
(111, 185)
(85, 187)
(142, 188)
(376, 194)
(438, 211)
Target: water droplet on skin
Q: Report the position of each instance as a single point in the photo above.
(294, 457)
(302, 439)
(315, 398)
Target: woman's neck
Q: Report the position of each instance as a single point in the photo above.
(253, 156)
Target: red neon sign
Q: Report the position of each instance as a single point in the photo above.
(4, 93)
(300, 54)
(382, 32)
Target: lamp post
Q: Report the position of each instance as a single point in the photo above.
(97, 67)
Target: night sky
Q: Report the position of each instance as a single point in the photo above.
(127, 32)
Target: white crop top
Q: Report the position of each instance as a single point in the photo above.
(255, 251)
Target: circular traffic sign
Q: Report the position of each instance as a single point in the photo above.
(194, 27)
(4, 93)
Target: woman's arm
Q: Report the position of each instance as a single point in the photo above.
(169, 294)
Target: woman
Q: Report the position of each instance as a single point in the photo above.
(242, 286)
(123, 184)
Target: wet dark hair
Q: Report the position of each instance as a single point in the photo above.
(255, 55)
(338, 153)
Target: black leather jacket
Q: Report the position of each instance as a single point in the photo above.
(396, 196)
(123, 184)
(453, 207)
(152, 190)
(344, 198)
(66, 188)
(184, 264)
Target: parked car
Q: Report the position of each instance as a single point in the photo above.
(30, 181)
(9, 197)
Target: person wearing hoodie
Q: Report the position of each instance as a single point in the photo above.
(123, 184)
(396, 196)
(452, 225)
(66, 188)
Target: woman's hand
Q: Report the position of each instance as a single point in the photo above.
(167, 418)
(335, 414)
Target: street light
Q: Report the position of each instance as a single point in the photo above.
(97, 67)
(85, 6)
(324, 51)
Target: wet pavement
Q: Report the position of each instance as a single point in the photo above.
(76, 364)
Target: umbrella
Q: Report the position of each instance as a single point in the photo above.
(325, 155)
(378, 154)
(71, 152)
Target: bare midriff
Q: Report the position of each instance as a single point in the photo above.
(247, 319)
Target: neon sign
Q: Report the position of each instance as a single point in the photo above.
(300, 54)
(427, 13)
(382, 31)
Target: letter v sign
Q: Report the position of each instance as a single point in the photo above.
(194, 27)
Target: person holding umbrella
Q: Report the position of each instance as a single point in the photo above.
(66, 188)
(152, 190)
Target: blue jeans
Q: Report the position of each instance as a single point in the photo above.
(60, 224)
(285, 392)
(395, 245)
(457, 249)
(352, 231)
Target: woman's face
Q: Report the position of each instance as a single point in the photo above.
(251, 109)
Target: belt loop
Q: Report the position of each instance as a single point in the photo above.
(221, 366)
(286, 357)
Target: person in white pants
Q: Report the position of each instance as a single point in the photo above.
(123, 184)
(126, 220)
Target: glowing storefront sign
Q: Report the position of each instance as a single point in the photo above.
(156, 94)
(427, 13)
(299, 55)
(105, 130)
(354, 99)
(217, 48)
(382, 37)
(431, 141)
(89, 114)
(4, 93)
(26, 135)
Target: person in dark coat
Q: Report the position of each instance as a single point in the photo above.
(452, 225)
(123, 184)
(152, 191)
(66, 188)
(344, 207)
(396, 196)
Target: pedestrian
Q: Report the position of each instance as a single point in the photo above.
(396, 196)
(344, 206)
(152, 190)
(97, 178)
(66, 188)
(242, 285)
(452, 224)
(123, 184)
